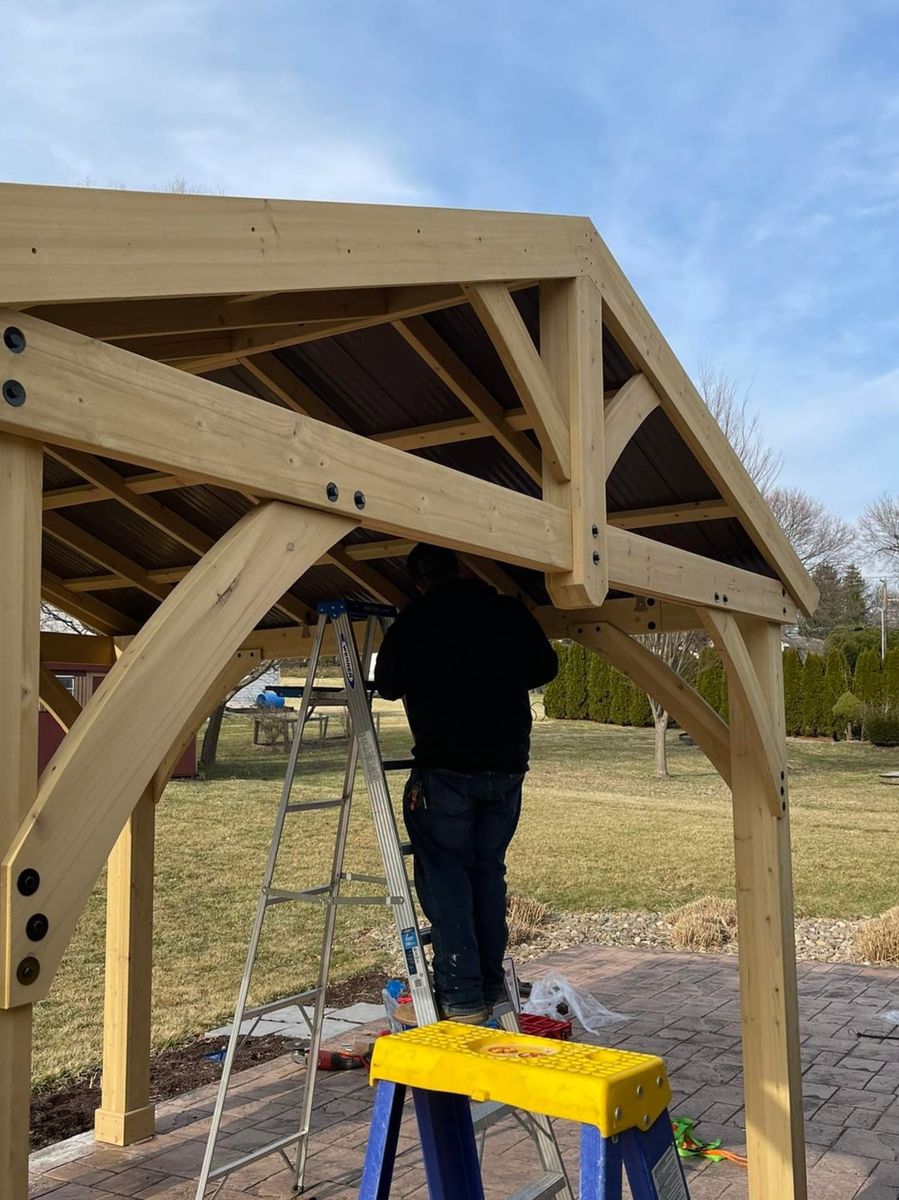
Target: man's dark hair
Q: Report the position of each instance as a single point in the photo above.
(429, 565)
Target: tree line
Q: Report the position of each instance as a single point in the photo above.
(831, 695)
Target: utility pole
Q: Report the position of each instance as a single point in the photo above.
(883, 621)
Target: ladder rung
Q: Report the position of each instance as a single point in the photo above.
(322, 895)
(354, 877)
(255, 1155)
(424, 936)
(285, 1002)
(310, 804)
(280, 896)
(487, 1113)
(398, 764)
(550, 1184)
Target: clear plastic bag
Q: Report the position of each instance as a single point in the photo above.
(555, 996)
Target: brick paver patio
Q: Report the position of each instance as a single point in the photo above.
(683, 1007)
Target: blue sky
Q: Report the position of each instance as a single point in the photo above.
(740, 159)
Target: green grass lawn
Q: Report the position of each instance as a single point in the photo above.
(598, 831)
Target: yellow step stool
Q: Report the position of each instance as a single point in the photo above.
(619, 1098)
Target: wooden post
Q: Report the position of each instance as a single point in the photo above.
(125, 1114)
(20, 537)
(770, 1020)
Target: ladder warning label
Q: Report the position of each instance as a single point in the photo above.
(410, 945)
(668, 1178)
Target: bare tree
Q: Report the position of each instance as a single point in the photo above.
(740, 425)
(209, 749)
(816, 534)
(679, 651)
(879, 529)
(54, 620)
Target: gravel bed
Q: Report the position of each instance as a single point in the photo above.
(817, 939)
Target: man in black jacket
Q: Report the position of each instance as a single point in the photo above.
(464, 658)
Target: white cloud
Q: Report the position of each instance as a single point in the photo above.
(138, 95)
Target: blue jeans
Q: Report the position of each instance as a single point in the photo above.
(460, 827)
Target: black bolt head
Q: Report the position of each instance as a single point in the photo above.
(14, 339)
(359, 499)
(37, 927)
(28, 971)
(595, 530)
(28, 882)
(596, 556)
(14, 393)
(332, 491)
(652, 624)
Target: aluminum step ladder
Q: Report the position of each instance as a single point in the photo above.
(340, 616)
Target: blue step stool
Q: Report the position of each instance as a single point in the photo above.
(619, 1098)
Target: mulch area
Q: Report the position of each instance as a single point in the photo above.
(67, 1110)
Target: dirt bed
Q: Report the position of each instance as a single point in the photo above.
(65, 1111)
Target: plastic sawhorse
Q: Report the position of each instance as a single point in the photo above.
(451, 1163)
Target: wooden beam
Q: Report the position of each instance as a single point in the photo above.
(743, 681)
(91, 547)
(57, 700)
(175, 422)
(114, 486)
(625, 413)
(109, 582)
(87, 493)
(644, 614)
(639, 564)
(638, 336)
(493, 574)
(501, 319)
(571, 348)
(771, 1061)
(440, 433)
(86, 609)
(216, 351)
(418, 333)
(174, 526)
(671, 514)
(77, 648)
(95, 779)
(371, 580)
(655, 677)
(290, 389)
(126, 1113)
(20, 536)
(69, 244)
(202, 314)
(416, 437)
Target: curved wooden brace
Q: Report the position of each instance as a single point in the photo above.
(767, 744)
(108, 759)
(656, 678)
(60, 704)
(625, 413)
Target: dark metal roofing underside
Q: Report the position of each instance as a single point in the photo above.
(377, 384)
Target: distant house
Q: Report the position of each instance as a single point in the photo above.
(246, 697)
(790, 639)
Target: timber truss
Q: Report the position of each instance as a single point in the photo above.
(214, 411)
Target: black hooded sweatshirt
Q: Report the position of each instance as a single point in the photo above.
(464, 658)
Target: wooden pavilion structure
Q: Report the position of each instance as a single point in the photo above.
(217, 411)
